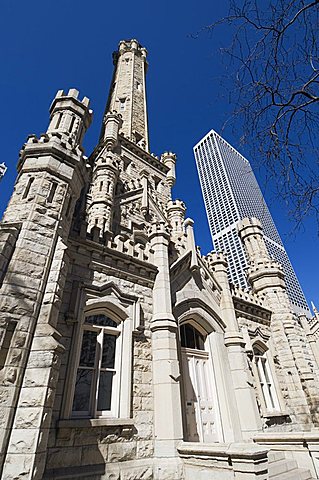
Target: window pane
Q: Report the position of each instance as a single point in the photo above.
(190, 338)
(101, 321)
(108, 353)
(265, 370)
(183, 336)
(105, 391)
(87, 357)
(199, 340)
(81, 402)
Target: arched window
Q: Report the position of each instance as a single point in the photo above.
(191, 337)
(266, 382)
(96, 384)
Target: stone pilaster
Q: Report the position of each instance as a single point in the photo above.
(166, 374)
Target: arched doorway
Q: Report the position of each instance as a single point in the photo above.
(202, 413)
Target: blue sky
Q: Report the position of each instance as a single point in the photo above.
(49, 45)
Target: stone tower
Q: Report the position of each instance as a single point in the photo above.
(124, 353)
(128, 93)
(34, 235)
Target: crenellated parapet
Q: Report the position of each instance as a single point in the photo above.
(159, 229)
(70, 116)
(263, 271)
(248, 296)
(132, 248)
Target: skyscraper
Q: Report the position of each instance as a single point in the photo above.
(231, 193)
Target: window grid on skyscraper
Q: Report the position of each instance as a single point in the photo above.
(231, 193)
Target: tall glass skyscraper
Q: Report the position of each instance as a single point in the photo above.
(231, 193)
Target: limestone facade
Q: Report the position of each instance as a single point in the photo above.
(126, 354)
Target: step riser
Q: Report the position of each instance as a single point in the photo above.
(281, 468)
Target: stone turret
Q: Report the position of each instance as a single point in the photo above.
(263, 272)
(127, 94)
(100, 212)
(35, 228)
(176, 215)
(169, 159)
(70, 116)
(266, 276)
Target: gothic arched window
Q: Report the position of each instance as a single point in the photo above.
(98, 368)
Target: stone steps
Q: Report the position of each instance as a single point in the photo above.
(281, 468)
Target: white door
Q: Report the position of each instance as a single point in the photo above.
(201, 403)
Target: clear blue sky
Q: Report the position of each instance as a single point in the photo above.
(50, 45)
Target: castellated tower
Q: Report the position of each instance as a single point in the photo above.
(125, 354)
(128, 94)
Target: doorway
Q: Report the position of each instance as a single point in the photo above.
(202, 415)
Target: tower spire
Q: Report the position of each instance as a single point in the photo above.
(128, 94)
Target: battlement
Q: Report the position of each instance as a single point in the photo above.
(248, 295)
(213, 258)
(176, 204)
(262, 264)
(249, 222)
(67, 110)
(134, 249)
(158, 228)
(72, 93)
(52, 139)
(168, 156)
(132, 46)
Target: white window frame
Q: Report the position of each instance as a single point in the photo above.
(265, 380)
(100, 330)
(121, 389)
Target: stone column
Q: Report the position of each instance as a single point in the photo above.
(166, 373)
(249, 418)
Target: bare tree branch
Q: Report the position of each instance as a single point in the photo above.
(274, 57)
